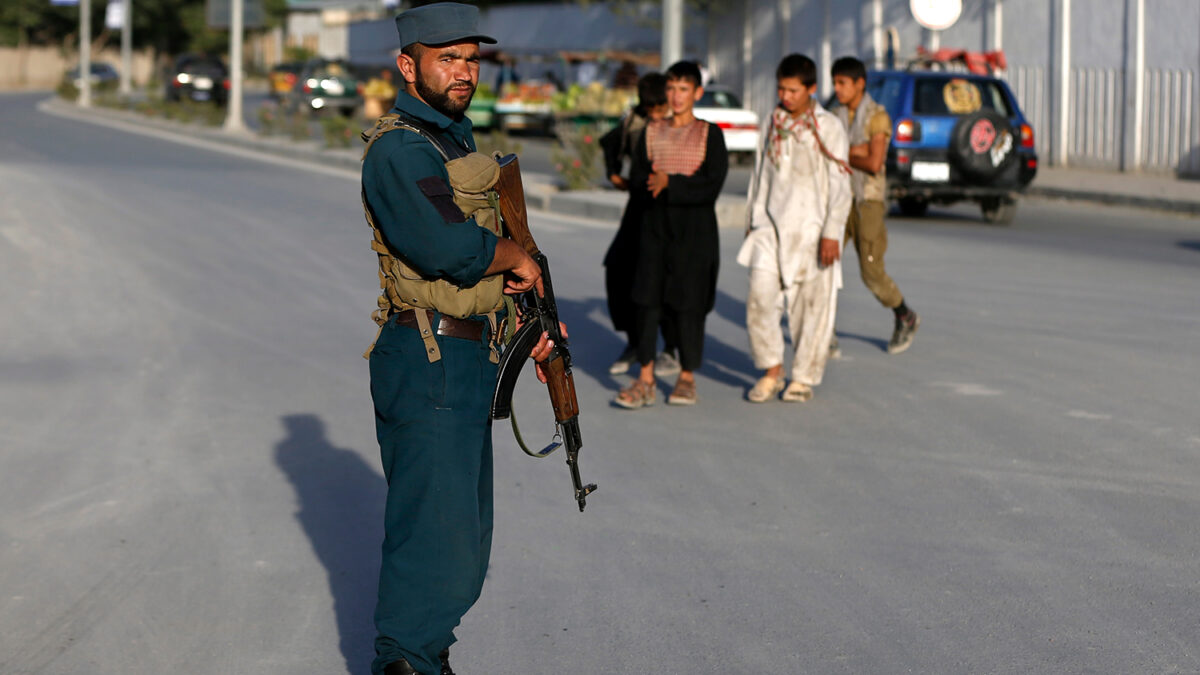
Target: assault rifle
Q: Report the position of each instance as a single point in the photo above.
(538, 314)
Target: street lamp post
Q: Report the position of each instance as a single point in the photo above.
(126, 86)
(85, 53)
(233, 120)
(672, 36)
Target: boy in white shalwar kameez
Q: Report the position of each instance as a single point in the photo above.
(799, 200)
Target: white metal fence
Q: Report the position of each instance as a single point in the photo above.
(1169, 138)
(1097, 117)
(1096, 103)
(1028, 84)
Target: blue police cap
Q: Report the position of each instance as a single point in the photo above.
(440, 24)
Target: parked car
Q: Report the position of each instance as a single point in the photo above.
(955, 136)
(740, 125)
(198, 77)
(103, 75)
(326, 84)
(283, 77)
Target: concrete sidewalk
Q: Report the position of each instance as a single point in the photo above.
(542, 191)
(1145, 190)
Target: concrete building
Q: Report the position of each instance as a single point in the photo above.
(323, 26)
(1105, 83)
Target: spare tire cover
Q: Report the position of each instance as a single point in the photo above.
(982, 145)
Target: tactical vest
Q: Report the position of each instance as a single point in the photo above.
(473, 175)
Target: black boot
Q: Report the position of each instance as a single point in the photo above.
(400, 667)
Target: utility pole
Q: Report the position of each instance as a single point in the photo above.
(126, 87)
(1062, 139)
(233, 121)
(672, 35)
(823, 76)
(85, 53)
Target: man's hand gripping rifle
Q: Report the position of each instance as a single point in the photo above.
(537, 314)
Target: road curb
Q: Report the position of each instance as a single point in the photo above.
(309, 151)
(1114, 199)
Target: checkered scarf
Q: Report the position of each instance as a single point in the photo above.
(783, 125)
(677, 150)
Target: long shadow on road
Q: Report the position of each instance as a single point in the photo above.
(341, 506)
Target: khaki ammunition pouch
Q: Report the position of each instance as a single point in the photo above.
(473, 176)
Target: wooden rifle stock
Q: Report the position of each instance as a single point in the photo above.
(543, 309)
(512, 204)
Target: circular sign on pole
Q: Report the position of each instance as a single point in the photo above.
(936, 14)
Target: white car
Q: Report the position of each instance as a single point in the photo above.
(722, 107)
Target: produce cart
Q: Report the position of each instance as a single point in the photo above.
(594, 106)
(526, 106)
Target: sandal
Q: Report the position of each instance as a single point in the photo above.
(765, 389)
(797, 392)
(637, 395)
(684, 393)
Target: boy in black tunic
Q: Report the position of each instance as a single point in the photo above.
(681, 162)
(620, 262)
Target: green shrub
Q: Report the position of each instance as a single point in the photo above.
(576, 156)
(212, 114)
(297, 126)
(497, 142)
(149, 108)
(67, 90)
(270, 119)
(338, 131)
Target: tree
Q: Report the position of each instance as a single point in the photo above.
(33, 22)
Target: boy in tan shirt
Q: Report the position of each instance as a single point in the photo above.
(870, 129)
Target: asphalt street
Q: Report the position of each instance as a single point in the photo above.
(190, 480)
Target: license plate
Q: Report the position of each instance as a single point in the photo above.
(333, 87)
(203, 83)
(931, 172)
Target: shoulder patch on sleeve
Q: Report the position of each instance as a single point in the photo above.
(438, 192)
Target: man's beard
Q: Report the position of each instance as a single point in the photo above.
(441, 100)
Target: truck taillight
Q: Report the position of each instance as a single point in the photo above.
(908, 131)
(1026, 136)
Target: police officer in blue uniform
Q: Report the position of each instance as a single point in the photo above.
(443, 268)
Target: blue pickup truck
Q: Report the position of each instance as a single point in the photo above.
(955, 136)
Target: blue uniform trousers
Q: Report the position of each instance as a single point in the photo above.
(435, 438)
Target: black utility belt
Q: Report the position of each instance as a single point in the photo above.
(449, 326)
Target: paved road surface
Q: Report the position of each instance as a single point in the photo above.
(190, 482)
